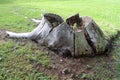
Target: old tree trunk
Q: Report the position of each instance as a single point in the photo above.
(66, 38)
(89, 39)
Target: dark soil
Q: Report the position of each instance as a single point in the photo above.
(84, 68)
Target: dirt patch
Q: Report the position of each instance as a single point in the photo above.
(84, 68)
(70, 68)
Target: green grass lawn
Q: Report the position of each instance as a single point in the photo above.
(15, 15)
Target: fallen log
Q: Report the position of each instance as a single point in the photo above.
(60, 37)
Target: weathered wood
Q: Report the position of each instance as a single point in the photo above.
(88, 38)
(61, 37)
(57, 35)
(94, 36)
(30, 35)
(52, 32)
(81, 45)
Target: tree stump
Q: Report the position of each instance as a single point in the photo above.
(59, 36)
(89, 38)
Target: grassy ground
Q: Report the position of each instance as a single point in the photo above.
(22, 59)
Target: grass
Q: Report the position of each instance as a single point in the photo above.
(15, 62)
(15, 15)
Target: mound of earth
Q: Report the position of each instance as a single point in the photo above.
(83, 68)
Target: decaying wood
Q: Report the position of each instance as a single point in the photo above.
(89, 39)
(58, 36)
(94, 35)
(74, 19)
(81, 45)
